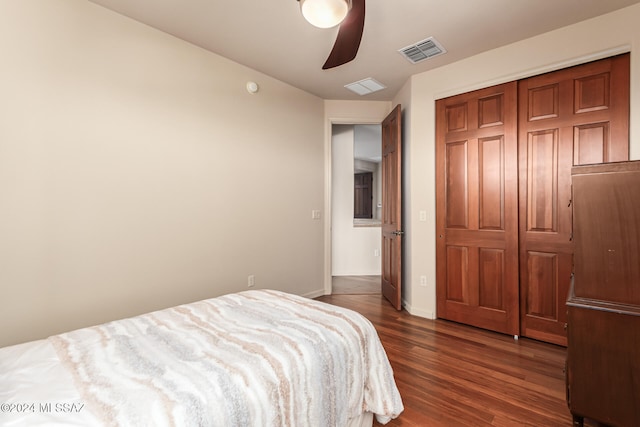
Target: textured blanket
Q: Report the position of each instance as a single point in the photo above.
(255, 358)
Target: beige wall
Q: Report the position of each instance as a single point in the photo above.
(136, 172)
(594, 39)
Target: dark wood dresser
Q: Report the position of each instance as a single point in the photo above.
(603, 308)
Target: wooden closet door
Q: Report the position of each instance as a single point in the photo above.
(575, 116)
(477, 208)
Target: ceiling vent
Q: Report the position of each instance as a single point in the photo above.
(422, 50)
(365, 87)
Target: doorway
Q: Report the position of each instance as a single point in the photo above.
(356, 264)
(391, 240)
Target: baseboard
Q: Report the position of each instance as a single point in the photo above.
(427, 314)
(314, 294)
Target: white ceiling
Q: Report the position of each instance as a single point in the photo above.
(271, 36)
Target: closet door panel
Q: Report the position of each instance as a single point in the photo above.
(591, 144)
(491, 183)
(543, 285)
(457, 185)
(542, 174)
(477, 247)
(569, 117)
(491, 278)
(458, 274)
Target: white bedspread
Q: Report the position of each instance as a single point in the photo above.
(255, 358)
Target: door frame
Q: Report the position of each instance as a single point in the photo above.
(367, 118)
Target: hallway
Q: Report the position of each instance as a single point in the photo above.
(355, 285)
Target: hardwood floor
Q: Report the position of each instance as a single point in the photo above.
(349, 285)
(456, 375)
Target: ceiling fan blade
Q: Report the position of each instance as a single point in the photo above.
(349, 36)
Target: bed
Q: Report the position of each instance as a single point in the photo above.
(254, 358)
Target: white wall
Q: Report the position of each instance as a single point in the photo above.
(353, 248)
(593, 39)
(136, 172)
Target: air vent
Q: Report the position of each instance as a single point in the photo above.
(422, 50)
(365, 87)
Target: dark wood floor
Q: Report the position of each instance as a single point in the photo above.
(456, 375)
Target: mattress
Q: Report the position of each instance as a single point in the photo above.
(260, 357)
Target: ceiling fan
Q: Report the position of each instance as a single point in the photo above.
(329, 13)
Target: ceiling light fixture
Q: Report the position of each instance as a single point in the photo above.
(325, 13)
